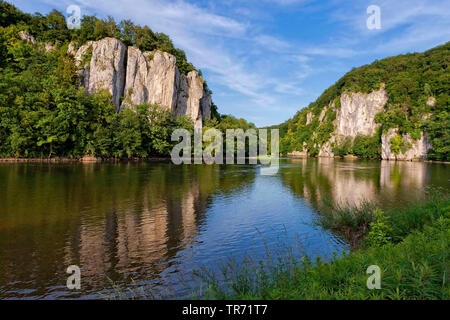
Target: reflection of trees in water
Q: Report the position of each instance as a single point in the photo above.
(108, 219)
(355, 181)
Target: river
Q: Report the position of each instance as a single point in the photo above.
(150, 225)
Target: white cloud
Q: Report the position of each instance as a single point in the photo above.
(271, 43)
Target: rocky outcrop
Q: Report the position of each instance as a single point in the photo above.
(326, 150)
(47, 46)
(356, 116)
(299, 154)
(102, 67)
(27, 37)
(413, 149)
(152, 77)
(141, 77)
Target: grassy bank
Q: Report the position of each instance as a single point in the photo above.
(410, 246)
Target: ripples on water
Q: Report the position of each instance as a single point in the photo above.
(151, 224)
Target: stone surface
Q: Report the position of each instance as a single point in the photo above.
(326, 149)
(309, 117)
(24, 35)
(356, 116)
(431, 101)
(107, 68)
(102, 66)
(300, 154)
(152, 77)
(417, 151)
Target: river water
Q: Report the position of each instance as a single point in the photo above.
(150, 225)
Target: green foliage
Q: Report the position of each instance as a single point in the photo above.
(48, 115)
(350, 221)
(43, 113)
(368, 147)
(414, 267)
(409, 81)
(380, 230)
(52, 28)
(225, 122)
(397, 144)
(344, 148)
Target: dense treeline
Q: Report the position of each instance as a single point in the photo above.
(410, 81)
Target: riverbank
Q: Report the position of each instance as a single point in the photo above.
(352, 157)
(410, 246)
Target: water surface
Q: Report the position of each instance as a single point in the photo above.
(152, 224)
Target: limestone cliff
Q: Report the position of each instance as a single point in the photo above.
(141, 77)
(355, 116)
(412, 150)
(102, 67)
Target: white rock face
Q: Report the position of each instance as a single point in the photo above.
(356, 116)
(47, 47)
(309, 117)
(195, 94)
(326, 150)
(27, 37)
(105, 69)
(146, 77)
(431, 101)
(417, 151)
(152, 77)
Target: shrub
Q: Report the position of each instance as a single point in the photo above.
(380, 230)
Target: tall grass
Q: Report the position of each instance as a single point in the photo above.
(350, 221)
(414, 262)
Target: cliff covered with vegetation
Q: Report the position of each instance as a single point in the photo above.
(396, 108)
(98, 91)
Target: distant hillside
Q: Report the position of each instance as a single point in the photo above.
(395, 108)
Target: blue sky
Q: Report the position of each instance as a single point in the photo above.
(267, 59)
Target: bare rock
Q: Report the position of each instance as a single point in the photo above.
(102, 66)
(415, 149)
(24, 35)
(107, 68)
(356, 116)
(152, 77)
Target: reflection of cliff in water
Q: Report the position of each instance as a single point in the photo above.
(347, 181)
(110, 219)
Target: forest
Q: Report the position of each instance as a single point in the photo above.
(43, 112)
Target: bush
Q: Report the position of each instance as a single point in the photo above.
(368, 147)
(380, 230)
(344, 148)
